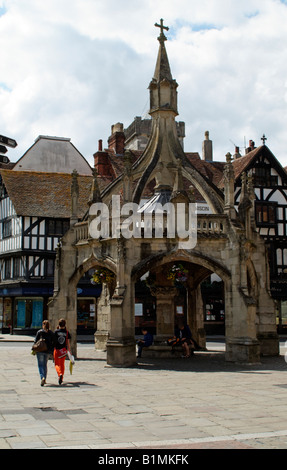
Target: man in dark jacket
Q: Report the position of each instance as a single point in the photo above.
(145, 342)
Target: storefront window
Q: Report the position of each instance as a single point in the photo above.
(29, 313)
(214, 311)
(7, 313)
(86, 313)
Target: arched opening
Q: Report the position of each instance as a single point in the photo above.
(94, 284)
(177, 289)
(88, 294)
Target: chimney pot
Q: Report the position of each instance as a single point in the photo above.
(100, 148)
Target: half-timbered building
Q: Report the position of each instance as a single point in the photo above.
(270, 187)
(35, 212)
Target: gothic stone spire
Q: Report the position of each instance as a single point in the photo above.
(163, 88)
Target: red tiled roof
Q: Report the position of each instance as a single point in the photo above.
(212, 171)
(240, 164)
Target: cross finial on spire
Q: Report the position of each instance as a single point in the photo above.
(162, 27)
(263, 138)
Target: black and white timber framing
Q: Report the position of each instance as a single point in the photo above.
(270, 187)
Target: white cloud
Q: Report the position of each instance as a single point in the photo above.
(73, 68)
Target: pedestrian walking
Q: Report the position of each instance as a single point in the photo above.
(62, 346)
(42, 356)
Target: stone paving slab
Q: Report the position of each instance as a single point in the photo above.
(201, 403)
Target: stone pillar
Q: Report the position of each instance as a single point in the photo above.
(242, 344)
(266, 328)
(121, 346)
(103, 319)
(195, 318)
(164, 312)
(229, 188)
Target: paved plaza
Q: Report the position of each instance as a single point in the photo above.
(197, 403)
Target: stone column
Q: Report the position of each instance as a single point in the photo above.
(103, 319)
(195, 318)
(164, 312)
(229, 188)
(240, 327)
(121, 347)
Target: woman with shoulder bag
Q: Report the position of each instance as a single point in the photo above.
(46, 336)
(62, 346)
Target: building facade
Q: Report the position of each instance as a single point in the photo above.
(270, 188)
(145, 164)
(35, 212)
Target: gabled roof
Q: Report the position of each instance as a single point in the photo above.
(53, 154)
(246, 162)
(242, 163)
(41, 194)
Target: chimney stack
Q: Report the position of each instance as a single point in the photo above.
(207, 148)
(237, 153)
(116, 141)
(251, 147)
(102, 162)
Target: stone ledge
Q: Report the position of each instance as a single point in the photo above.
(162, 350)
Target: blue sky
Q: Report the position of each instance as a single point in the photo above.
(75, 67)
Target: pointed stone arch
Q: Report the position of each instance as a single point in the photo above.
(199, 266)
(193, 257)
(90, 263)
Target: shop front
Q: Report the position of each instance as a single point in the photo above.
(23, 309)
